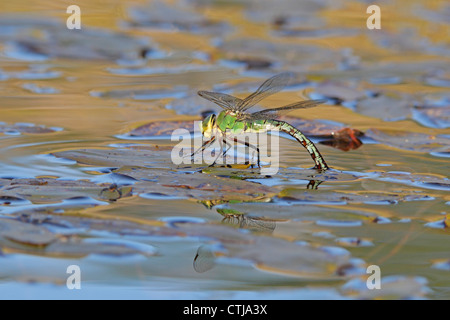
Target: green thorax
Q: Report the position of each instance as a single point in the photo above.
(228, 120)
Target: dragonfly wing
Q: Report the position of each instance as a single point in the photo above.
(276, 112)
(269, 87)
(221, 99)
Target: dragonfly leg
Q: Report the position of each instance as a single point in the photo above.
(204, 145)
(258, 163)
(313, 184)
(228, 144)
(223, 153)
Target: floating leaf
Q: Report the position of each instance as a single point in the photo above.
(85, 225)
(193, 185)
(291, 54)
(438, 117)
(50, 41)
(192, 104)
(346, 197)
(52, 190)
(354, 242)
(429, 181)
(391, 287)
(268, 253)
(39, 89)
(340, 91)
(385, 107)
(407, 42)
(196, 185)
(29, 128)
(159, 15)
(442, 265)
(284, 210)
(134, 156)
(161, 128)
(140, 94)
(115, 192)
(25, 233)
(75, 247)
(410, 140)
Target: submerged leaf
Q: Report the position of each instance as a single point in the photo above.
(138, 163)
(157, 14)
(133, 156)
(340, 91)
(410, 140)
(267, 253)
(196, 186)
(19, 128)
(75, 247)
(161, 128)
(385, 107)
(373, 197)
(25, 233)
(49, 40)
(391, 287)
(438, 117)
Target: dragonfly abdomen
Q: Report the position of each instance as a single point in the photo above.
(304, 141)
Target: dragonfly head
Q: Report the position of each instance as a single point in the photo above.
(208, 125)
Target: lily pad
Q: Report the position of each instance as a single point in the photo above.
(408, 41)
(161, 128)
(344, 197)
(287, 13)
(141, 165)
(196, 185)
(76, 247)
(285, 210)
(141, 156)
(192, 104)
(140, 94)
(340, 91)
(161, 16)
(267, 253)
(28, 128)
(25, 233)
(391, 287)
(65, 193)
(386, 108)
(74, 224)
(39, 89)
(296, 56)
(438, 117)
(442, 265)
(410, 140)
(50, 40)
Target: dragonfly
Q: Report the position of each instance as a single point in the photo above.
(235, 118)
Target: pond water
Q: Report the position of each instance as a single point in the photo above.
(87, 178)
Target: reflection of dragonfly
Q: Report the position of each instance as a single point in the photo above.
(205, 258)
(235, 118)
(255, 224)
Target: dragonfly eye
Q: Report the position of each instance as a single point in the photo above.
(208, 124)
